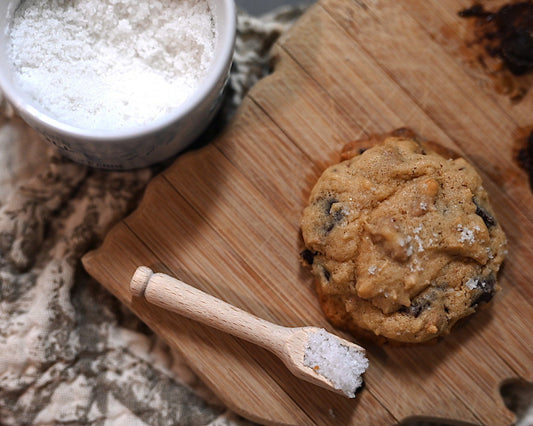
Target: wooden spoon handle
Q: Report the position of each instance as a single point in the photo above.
(175, 295)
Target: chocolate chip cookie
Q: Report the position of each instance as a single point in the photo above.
(402, 241)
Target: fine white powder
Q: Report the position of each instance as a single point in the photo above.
(342, 365)
(110, 64)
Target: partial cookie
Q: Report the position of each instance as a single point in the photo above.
(403, 241)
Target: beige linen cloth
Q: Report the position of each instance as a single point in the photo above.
(70, 353)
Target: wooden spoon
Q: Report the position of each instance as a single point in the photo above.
(310, 353)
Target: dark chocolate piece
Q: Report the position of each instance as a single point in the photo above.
(333, 217)
(486, 289)
(326, 273)
(485, 215)
(507, 33)
(476, 10)
(328, 203)
(308, 256)
(419, 303)
(515, 24)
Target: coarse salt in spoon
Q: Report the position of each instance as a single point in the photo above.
(310, 353)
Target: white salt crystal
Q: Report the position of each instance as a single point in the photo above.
(466, 234)
(415, 266)
(418, 240)
(472, 283)
(406, 242)
(372, 269)
(111, 64)
(342, 365)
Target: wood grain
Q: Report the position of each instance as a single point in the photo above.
(225, 218)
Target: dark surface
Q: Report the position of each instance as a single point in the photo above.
(506, 33)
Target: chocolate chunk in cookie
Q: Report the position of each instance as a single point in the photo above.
(485, 288)
(488, 219)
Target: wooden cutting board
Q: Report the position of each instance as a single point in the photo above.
(225, 218)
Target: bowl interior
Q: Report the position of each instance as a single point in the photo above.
(17, 97)
(225, 23)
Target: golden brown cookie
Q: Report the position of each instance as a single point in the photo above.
(403, 241)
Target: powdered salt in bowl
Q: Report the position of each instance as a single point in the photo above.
(117, 84)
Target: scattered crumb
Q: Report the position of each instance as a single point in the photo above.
(432, 329)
